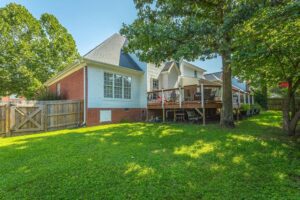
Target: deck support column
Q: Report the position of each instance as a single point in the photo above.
(180, 97)
(249, 99)
(174, 113)
(238, 107)
(202, 103)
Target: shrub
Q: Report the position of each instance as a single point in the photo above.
(46, 95)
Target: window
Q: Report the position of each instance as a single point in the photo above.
(195, 74)
(58, 89)
(127, 87)
(155, 84)
(117, 86)
(108, 85)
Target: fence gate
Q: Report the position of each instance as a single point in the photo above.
(26, 118)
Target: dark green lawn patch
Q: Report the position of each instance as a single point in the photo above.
(153, 161)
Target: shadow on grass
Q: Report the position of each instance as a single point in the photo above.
(156, 161)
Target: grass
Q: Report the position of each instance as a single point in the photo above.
(153, 161)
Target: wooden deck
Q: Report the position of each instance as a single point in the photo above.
(184, 105)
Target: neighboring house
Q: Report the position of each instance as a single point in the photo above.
(116, 86)
(12, 98)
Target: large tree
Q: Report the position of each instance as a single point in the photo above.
(32, 50)
(190, 29)
(268, 46)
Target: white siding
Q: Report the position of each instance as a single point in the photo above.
(96, 90)
(153, 72)
(172, 78)
(189, 71)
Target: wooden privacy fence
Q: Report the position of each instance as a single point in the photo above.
(38, 116)
(276, 103)
(3, 119)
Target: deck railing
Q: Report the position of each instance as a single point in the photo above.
(193, 94)
(187, 94)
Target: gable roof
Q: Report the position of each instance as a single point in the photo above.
(167, 66)
(217, 76)
(111, 52)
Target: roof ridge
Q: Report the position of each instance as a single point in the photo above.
(101, 44)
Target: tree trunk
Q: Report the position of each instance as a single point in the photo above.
(227, 109)
(264, 92)
(290, 116)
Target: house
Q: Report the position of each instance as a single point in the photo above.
(116, 86)
(12, 98)
(241, 90)
(109, 81)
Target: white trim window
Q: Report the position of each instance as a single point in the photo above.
(108, 85)
(155, 84)
(117, 86)
(127, 87)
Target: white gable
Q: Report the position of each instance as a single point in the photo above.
(108, 51)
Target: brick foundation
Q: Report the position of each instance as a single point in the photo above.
(118, 115)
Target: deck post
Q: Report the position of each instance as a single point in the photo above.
(249, 99)
(244, 98)
(239, 99)
(238, 107)
(163, 104)
(180, 97)
(174, 115)
(202, 103)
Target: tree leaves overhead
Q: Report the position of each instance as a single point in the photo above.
(267, 50)
(269, 44)
(32, 50)
(191, 29)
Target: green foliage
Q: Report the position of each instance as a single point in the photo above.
(31, 50)
(153, 161)
(45, 95)
(267, 50)
(245, 107)
(261, 99)
(267, 45)
(176, 29)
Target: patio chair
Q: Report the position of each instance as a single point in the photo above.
(192, 116)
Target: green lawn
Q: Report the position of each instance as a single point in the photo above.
(153, 161)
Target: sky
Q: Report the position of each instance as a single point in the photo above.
(92, 21)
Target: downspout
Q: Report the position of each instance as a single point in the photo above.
(84, 96)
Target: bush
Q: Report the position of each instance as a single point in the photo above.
(245, 107)
(46, 95)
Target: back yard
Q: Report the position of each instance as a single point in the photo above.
(140, 161)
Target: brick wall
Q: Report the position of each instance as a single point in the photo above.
(71, 87)
(118, 115)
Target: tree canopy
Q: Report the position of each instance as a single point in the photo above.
(32, 50)
(175, 29)
(267, 49)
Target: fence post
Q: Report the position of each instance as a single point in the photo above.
(7, 120)
(45, 108)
